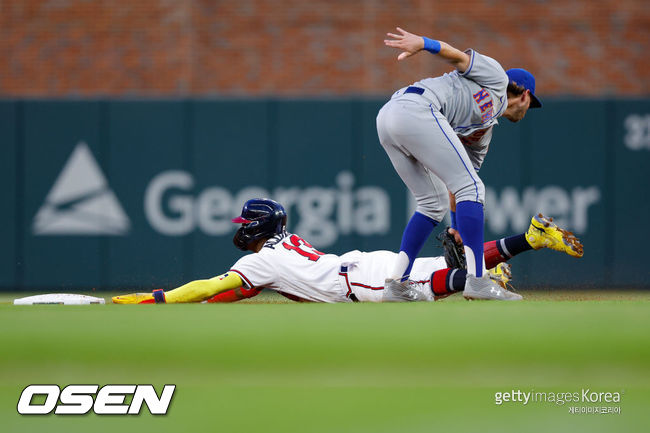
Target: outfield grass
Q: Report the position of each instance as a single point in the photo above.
(348, 367)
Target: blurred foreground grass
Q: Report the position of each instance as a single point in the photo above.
(346, 367)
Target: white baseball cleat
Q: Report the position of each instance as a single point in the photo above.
(485, 288)
(401, 291)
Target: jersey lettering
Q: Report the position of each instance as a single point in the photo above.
(480, 95)
(485, 106)
(303, 248)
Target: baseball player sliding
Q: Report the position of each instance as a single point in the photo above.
(436, 133)
(289, 264)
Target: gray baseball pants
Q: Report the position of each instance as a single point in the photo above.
(427, 155)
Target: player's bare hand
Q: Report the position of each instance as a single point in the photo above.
(407, 42)
(456, 235)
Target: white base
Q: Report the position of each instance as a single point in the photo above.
(59, 298)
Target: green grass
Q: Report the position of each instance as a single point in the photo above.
(279, 367)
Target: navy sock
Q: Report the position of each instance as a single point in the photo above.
(469, 217)
(416, 233)
(456, 280)
(510, 247)
(447, 281)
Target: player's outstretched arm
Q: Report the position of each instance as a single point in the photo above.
(194, 291)
(199, 290)
(411, 44)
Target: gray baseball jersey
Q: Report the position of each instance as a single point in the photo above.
(437, 138)
(471, 101)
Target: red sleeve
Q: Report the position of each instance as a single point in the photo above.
(234, 295)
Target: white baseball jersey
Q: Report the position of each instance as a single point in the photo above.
(287, 263)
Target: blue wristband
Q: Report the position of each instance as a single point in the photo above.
(452, 216)
(431, 45)
(159, 296)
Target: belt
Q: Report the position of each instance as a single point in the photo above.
(350, 295)
(413, 89)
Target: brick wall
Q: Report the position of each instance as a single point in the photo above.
(173, 48)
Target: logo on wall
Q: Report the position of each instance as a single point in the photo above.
(81, 202)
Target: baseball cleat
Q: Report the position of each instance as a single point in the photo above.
(401, 291)
(134, 298)
(485, 289)
(544, 233)
(501, 274)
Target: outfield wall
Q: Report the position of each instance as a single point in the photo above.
(125, 194)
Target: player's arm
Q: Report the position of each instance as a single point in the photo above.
(452, 229)
(199, 290)
(194, 291)
(412, 44)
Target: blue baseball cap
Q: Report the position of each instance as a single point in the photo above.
(525, 79)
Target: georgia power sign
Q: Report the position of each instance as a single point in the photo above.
(82, 203)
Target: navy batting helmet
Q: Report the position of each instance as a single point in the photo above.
(260, 218)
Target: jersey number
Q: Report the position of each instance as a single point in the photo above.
(303, 248)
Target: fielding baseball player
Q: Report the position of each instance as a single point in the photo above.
(289, 264)
(436, 133)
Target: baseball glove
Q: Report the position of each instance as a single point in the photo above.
(454, 252)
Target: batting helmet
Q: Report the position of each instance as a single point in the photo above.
(260, 218)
